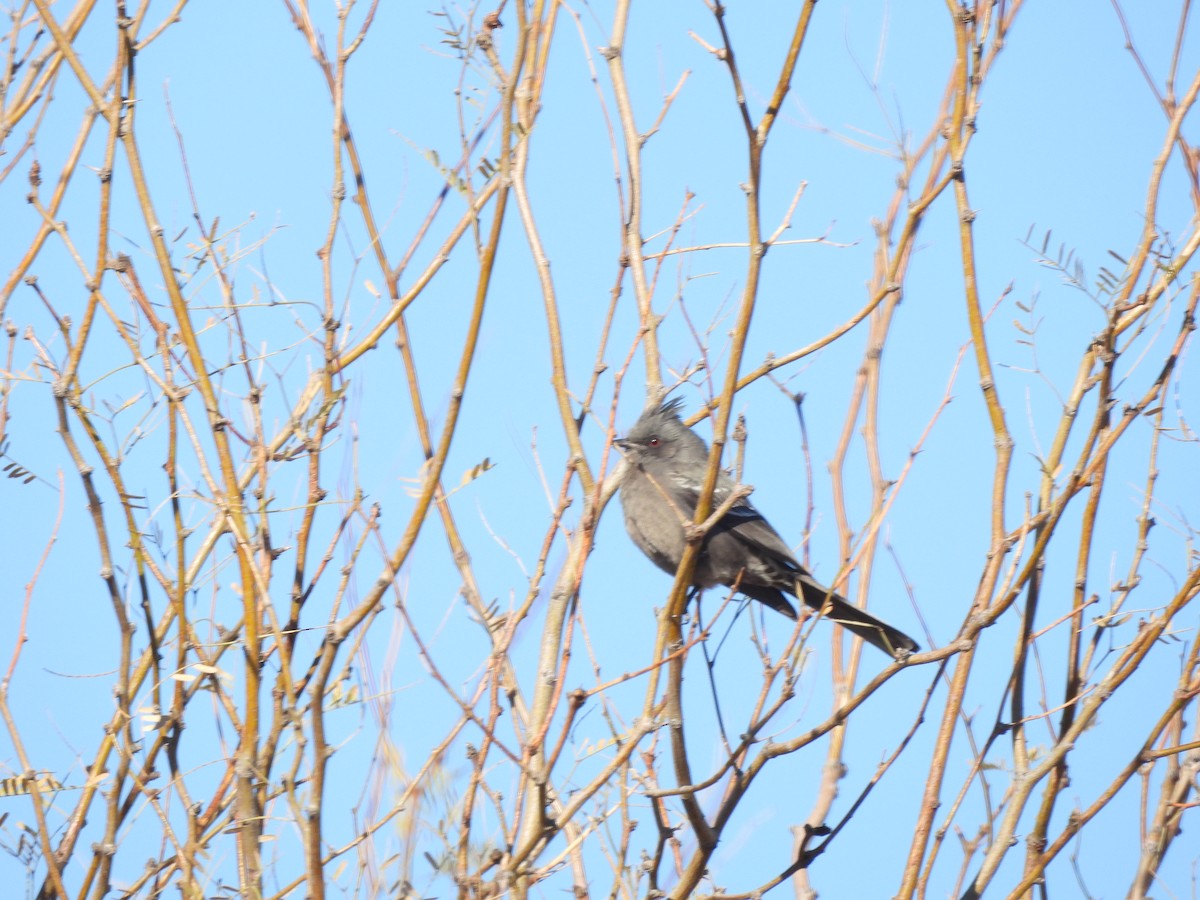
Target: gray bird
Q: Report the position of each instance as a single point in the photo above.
(665, 463)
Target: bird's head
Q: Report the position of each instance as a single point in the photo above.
(661, 435)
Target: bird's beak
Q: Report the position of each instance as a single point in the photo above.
(622, 444)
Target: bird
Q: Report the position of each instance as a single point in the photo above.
(665, 464)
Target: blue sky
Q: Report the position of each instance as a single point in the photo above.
(1067, 132)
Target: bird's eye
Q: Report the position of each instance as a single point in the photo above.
(653, 442)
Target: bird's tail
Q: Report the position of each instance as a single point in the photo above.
(892, 641)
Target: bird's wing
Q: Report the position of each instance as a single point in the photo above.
(742, 521)
(747, 524)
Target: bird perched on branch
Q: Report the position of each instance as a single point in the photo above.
(665, 462)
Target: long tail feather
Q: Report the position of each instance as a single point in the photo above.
(892, 641)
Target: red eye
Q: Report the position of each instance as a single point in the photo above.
(653, 442)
